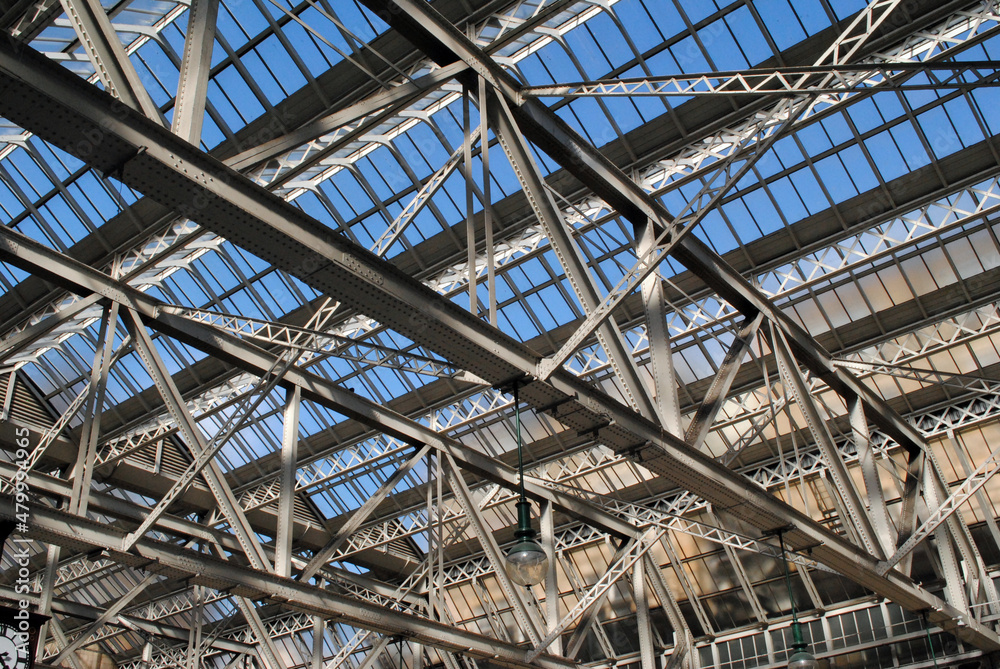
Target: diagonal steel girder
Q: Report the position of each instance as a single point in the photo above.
(69, 531)
(42, 261)
(446, 44)
(102, 45)
(68, 112)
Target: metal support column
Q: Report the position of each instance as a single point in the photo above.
(810, 586)
(686, 585)
(683, 639)
(848, 494)
(985, 506)
(369, 661)
(943, 512)
(318, 637)
(205, 457)
(197, 626)
(565, 248)
(552, 577)
(645, 629)
(884, 531)
(8, 395)
(528, 622)
(195, 440)
(954, 583)
(980, 583)
(579, 591)
(45, 598)
(109, 614)
(741, 573)
(323, 555)
(286, 500)
(470, 222)
(266, 649)
(192, 84)
(60, 636)
(484, 156)
(908, 512)
(660, 356)
(84, 471)
(586, 607)
(703, 418)
(489, 606)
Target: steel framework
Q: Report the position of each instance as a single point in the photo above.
(269, 270)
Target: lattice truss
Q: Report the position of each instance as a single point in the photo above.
(256, 363)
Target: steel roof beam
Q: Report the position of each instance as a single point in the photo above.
(100, 41)
(661, 358)
(397, 97)
(785, 81)
(568, 253)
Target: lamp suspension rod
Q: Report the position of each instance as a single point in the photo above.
(930, 642)
(517, 427)
(788, 578)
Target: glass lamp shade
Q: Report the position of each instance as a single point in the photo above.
(526, 563)
(802, 659)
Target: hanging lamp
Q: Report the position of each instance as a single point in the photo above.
(526, 561)
(801, 658)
